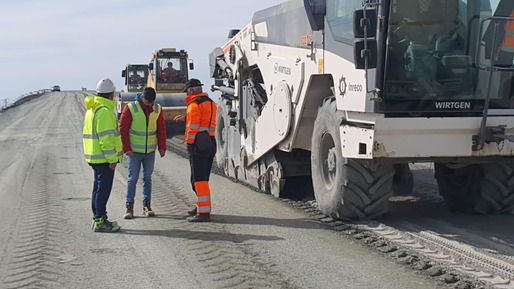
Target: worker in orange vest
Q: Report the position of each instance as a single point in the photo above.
(201, 145)
(506, 58)
(503, 55)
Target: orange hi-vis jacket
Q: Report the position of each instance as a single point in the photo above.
(200, 116)
(508, 40)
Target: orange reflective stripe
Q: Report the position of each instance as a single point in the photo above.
(203, 194)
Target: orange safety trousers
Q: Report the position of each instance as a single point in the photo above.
(203, 197)
(201, 164)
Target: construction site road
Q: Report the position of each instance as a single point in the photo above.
(253, 241)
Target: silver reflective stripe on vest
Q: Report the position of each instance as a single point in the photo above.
(507, 49)
(134, 106)
(107, 132)
(142, 133)
(94, 157)
(207, 129)
(109, 152)
(204, 209)
(143, 146)
(191, 136)
(193, 126)
(88, 136)
(204, 199)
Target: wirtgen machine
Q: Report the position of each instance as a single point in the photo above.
(169, 72)
(135, 77)
(342, 95)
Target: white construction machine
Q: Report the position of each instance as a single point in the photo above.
(341, 96)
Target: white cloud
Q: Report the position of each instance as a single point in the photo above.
(74, 44)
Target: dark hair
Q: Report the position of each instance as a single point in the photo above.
(105, 94)
(149, 94)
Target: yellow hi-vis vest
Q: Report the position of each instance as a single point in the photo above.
(100, 135)
(143, 136)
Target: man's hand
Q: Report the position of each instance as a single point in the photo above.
(162, 153)
(179, 118)
(129, 154)
(112, 166)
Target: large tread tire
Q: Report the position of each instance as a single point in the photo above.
(477, 188)
(346, 189)
(221, 136)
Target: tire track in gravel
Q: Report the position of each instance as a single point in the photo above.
(229, 260)
(33, 248)
(32, 254)
(419, 258)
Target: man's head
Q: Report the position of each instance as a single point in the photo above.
(105, 88)
(193, 86)
(170, 64)
(148, 96)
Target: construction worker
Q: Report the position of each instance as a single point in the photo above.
(504, 46)
(102, 150)
(200, 120)
(170, 73)
(136, 79)
(143, 131)
(506, 57)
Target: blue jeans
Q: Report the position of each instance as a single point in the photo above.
(134, 166)
(102, 187)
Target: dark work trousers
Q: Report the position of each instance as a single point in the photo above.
(200, 163)
(102, 187)
(506, 90)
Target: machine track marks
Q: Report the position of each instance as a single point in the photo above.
(34, 244)
(228, 260)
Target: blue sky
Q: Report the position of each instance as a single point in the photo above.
(75, 43)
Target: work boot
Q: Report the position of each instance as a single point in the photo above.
(192, 212)
(147, 210)
(200, 218)
(94, 220)
(103, 225)
(129, 214)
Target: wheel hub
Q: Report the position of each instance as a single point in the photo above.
(331, 160)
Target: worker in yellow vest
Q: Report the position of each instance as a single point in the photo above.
(143, 132)
(102, 150)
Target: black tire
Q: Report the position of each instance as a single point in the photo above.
(221, 136)
(477, 188)
(403, 180)
(345, 188)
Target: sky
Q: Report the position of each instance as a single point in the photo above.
(76, 43)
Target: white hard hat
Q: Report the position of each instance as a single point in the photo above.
(105, 85)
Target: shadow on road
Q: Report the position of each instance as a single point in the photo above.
(210, 235)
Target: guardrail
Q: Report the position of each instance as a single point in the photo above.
(6, 105)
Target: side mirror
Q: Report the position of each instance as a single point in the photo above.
(365, 50)
(365, 22)
(123, 73)
(191, 66)
(150, 65)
